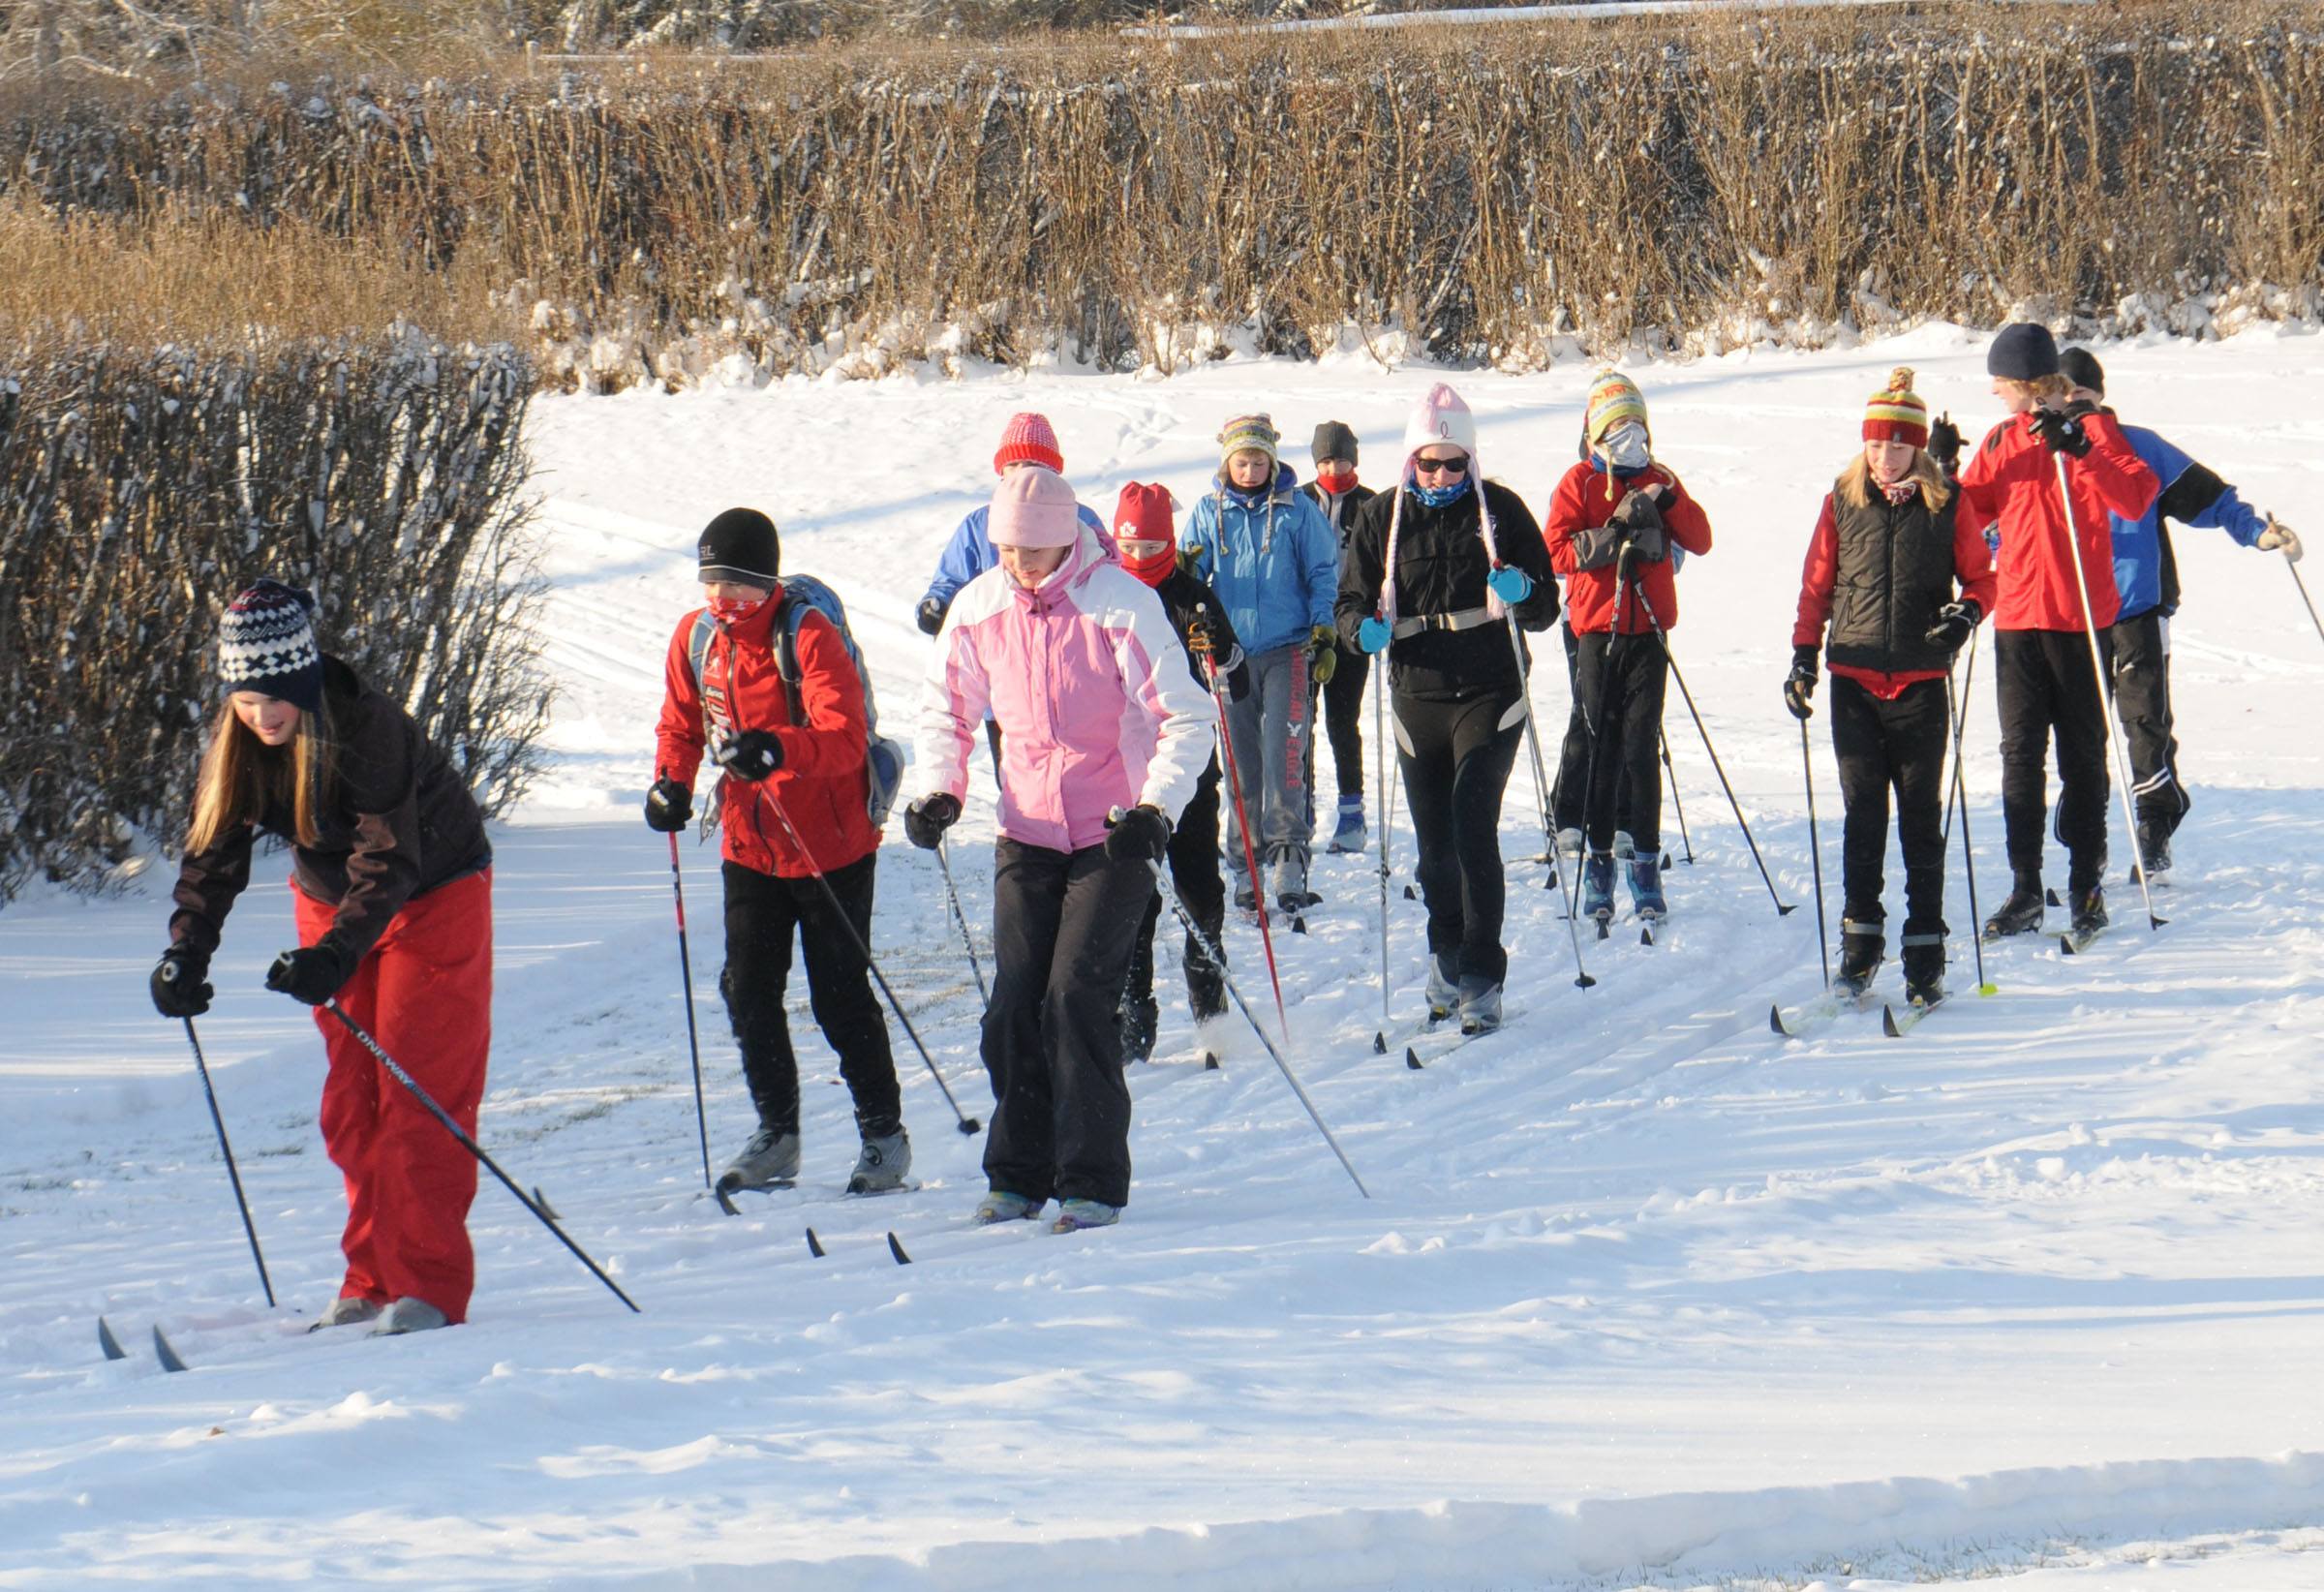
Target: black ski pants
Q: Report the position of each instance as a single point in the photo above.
(2045, 689)
(1456, 758)
(1618, 687)
(1897, 745)
(1343, 721)
(761, 913)
(1203, 891)
(1062, 927)
(2142, 701)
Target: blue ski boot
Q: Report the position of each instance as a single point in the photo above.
(1598, 886)
(1350, 834)
(1645, 870)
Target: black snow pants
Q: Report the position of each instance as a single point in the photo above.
(2142, 701)
(1456, 757)
(1565, 813)
(1064, 924)
(1201, 890)
(2046, 687)
(1882, 746)
(761, 913)
(1619, 685)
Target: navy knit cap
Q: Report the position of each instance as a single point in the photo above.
(2022, 352)
(2081, 367)
(266, 644)
(740, 545)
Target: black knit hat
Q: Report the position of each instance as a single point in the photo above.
(740, 545)
(266, 644)
(2081, 367)
(1333, 441)
(2022, 352)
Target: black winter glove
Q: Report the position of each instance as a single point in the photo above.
(1945, 443)
(1137, 834)
(751, 755)
(931, 615)
(926, 819)
(669, 806)
(1800, 683)
(312, 974)
(2062, 431)
(181, 982)
(1955, 623)
(1598, 546)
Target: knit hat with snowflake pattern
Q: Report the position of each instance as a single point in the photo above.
(266, 644)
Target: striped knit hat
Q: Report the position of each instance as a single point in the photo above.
(1256, 431)
(1614, 398)
(1897, 414)
(266, 644)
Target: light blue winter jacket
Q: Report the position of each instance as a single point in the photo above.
(1272, 557)
(969, 552)
(2146, 572)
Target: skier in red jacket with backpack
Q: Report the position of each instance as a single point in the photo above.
(792, 750)
(2042, 637)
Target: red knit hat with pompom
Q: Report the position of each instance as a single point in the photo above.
(1029, 438)
(1896, 412)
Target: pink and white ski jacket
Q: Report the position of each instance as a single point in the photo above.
(1087, 678)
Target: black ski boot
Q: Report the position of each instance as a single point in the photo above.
(2153, 850)
(1924, 967)
(1137, 1020)
(1860, 948)
(2021, 913)
(2089, 911)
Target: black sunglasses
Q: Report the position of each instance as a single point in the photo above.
(1442, 467)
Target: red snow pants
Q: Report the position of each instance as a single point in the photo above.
(425, 994)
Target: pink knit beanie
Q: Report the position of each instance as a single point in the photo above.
(1032, 508)
(1029, 438)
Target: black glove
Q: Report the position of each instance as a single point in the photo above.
(1800, 683)
(1945, 443)
(1137, 834)
(669, 806)
(312, 974)
(2062, 431)
(751, 755)
(926, 819)
(1955, 623)
(181, 982)
(931, 615)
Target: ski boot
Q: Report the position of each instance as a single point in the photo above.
(883, 1164)
(1861, 945)
(1924, 968)
(1480, 1004)
(2154, 851)
(2021, 913)
(2089, 911)
(1001, 1206)
(1074, 1215)
(1136, 1023)
(1645, 874)
(1444, 986)
(1569, 843)
(346, 1311)
(770, 1160)
(1624, 848)
(1598, 887)
(1349, 834)
(409, 1314)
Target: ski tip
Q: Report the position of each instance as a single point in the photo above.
(1410, 894)
(726, 1196)
(110, 1344)
(1380, 1042)
(1775, 1021)
(1209, 1061)
(2066, 946)
(814, 1246)
(1646, 936)
(1412, 1059)
(165, 1354)
(896, 1248)
(1299, 926)
(2051, 895)
(1889, 1023)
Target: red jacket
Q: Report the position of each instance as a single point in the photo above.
(823, 786)
(1972, 572)
(1585, 500)
(2013, 480)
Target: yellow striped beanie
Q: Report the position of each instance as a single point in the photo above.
(1614, 398)
(1896, 412)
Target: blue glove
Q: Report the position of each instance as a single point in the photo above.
(1374, 635)
(1510, 583)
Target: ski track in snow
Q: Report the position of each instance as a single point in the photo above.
(1646, 1294)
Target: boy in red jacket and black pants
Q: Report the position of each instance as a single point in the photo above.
(1891, 548)
(2042, 636)
(792, 751)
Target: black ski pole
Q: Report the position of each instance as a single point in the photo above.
(1807, 765)
(1676, 806)
(685, 977)
(428, 1101)
(944, 862)
(968, 1123)
(226, 1149)
(1968, 854)
(1781, 909)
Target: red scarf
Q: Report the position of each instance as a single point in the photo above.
(1155, 569)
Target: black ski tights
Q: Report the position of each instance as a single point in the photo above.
(1457, 757)
(1898, 743)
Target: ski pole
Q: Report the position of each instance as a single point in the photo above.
(1781, 909)
(968, 1123)
(1258, 1027)
(2303, 585)
(1968, 855)
(685, 978)
(944, 862)
(226, 1149)
(1533, 742)
(1676, 806)
(1387, 819)
(1242, 829)
(1807, 763)
(2102, 686)
(428, 1101)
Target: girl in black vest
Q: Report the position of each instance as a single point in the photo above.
(1900, 570)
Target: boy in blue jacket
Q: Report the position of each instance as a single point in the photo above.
(2145, 573)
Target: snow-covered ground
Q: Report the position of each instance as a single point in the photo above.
(1644, 1296)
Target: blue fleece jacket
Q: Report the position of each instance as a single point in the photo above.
(969, 552)
(1271, 555)
(2144, 570)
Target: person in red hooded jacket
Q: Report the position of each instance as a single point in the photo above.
(2043, 634)
(794, 752)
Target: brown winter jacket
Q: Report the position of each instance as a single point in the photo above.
(398, 823)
